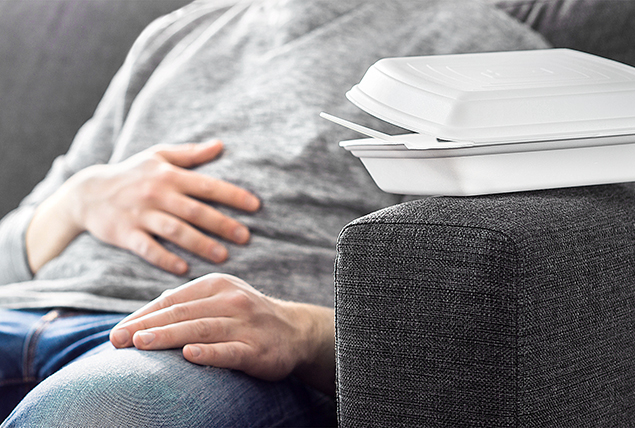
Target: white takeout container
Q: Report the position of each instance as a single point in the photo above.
(498, 122)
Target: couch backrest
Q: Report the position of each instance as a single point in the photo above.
(56, 60)
(601, 27)
(57, 57)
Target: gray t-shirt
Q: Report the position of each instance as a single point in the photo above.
(256, 75)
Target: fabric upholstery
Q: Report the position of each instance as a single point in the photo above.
(601, 27)
(58, 56)
(56, 60)
(498, 311)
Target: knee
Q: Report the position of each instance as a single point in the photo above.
(127, 387)
(113, 388)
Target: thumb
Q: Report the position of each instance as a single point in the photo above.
(191, 154)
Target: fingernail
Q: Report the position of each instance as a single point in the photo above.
(219, 254)
(146, 337)
(195, 351)
(180, 267)
(121, 337)
(241, 234)
(252, 203)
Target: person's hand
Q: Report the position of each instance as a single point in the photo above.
(220, 320)
(151, 194)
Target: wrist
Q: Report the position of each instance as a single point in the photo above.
(74, 198)
(316, 365)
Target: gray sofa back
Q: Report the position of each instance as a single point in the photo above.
(58, 56)
(56, 60)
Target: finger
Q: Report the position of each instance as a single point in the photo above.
(174, 327)
(196, 299)
(196, 290)
(235, 355)
(205, 217)
(146, 247)
(169, 324)
(209, 307)
(203, 330)
(227, 355)
(185, 236)
(214, 190)
(192, 154)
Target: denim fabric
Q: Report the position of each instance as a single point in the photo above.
(131, 388)
(35, 344)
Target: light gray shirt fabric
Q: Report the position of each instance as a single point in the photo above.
(255, 75)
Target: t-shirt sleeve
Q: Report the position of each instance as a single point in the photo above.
(93, 144)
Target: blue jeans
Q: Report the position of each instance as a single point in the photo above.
(105, 386)
(36, 344)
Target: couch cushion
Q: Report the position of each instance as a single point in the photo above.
(601, 27)
(498, 311)
(56, 59)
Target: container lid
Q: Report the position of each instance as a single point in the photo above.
(502, 97)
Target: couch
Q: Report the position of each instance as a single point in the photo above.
(513, 310)
(506, 310)
(56, 60)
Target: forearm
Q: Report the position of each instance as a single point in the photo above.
(51, 229)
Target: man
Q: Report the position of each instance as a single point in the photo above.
(144, 201)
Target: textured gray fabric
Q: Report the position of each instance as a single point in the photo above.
(14, 263)
(500, 311)
(601, 27)
(256, 76)
(57, 57)
(56, 60)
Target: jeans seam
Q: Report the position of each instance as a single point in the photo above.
(31, 342)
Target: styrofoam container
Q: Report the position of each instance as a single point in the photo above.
(498, 122)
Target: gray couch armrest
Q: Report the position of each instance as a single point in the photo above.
(506, 310)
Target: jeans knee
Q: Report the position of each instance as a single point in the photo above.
(128, 387)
